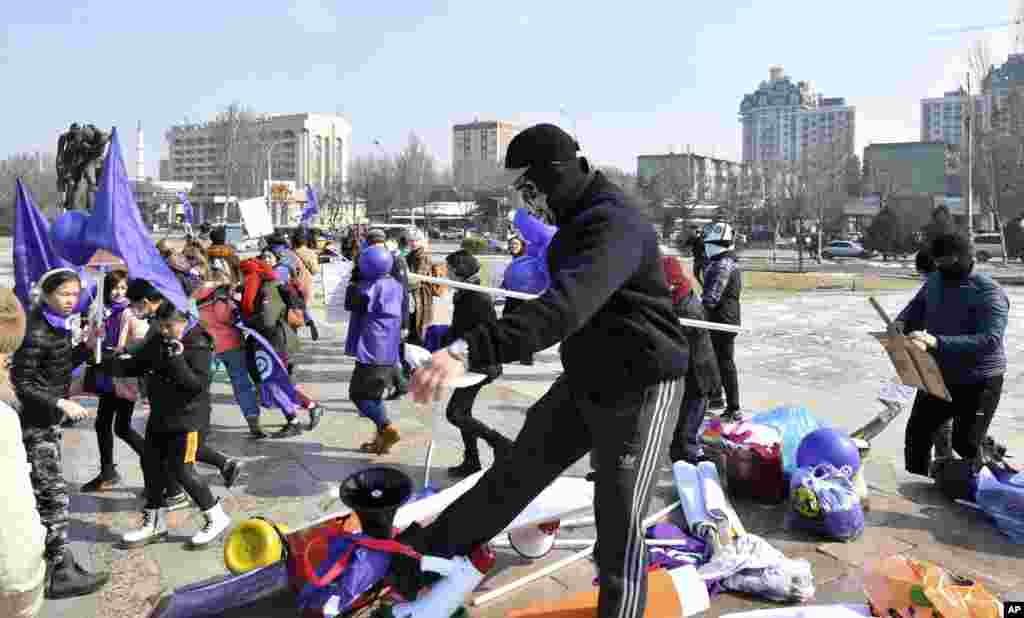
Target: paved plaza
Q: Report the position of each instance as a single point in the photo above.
(810, 349)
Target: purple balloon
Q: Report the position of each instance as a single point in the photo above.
(535, 232)
(527, 274)
(67, 234)
(827, 445)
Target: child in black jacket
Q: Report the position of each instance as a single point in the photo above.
(176, 367)
(471, 309)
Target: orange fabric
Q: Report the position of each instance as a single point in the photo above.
(662, 601)
(254, 272)
(677, 278)
(191, 446)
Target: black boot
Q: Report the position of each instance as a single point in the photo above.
(107, 480)
(255, 431)
(67, 579)
(314, 334)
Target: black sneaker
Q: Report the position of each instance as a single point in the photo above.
(315, 414)
(732, 415)
(177, 502)
(314, 334)
(232, 470)
(106, 481)
(290, 429)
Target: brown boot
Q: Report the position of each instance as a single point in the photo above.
(387, 438)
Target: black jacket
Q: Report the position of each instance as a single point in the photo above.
(702, 378)
(608, 303)
(723, 284)
(41, 370)
(178, 386)
(470, 310)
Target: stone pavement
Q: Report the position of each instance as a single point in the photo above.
(810, 349)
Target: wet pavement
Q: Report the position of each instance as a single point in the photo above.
(809, 349)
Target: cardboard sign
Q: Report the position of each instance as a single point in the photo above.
(335, 276)
(256, 217)
(915, 367)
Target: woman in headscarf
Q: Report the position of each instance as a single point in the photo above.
(41, 373)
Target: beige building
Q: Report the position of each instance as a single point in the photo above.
(783, 120)
(700, 178)
(307, 148)
(478, 151)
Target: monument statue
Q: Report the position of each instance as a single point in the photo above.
(80, 153)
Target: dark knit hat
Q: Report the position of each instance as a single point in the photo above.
(12, 322)
(462, 264)
(540, 145)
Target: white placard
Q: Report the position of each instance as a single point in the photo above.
(335, 277)
(897, 393)
(256, 217)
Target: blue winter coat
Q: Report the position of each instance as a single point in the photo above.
(969, 321)
(375, 326)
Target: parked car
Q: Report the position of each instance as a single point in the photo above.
(784, 242)
(987, 246)
(844, 248)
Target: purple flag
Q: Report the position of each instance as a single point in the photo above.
(115, 225)
(33, 252)
(187, 207)
(312, 208)
(276, 385)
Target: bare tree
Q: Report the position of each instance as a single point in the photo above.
(240, 136)
(415, 170)
(39, 175)
(372, 181)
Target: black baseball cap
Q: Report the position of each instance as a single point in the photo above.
(541, 144)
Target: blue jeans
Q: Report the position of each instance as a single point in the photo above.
(245, 390)
(373, 409)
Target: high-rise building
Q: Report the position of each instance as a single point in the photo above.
(1000, 82)
(306, 148)
(942, 118)
(783, 121)
(478, 151)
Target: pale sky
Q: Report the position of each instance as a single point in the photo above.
(637, 78)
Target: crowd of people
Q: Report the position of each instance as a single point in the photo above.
(611, 292)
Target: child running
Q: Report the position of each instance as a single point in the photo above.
(374, 334)
(176, 366)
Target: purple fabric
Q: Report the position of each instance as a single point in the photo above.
(276, 385)
(366, 567)
(312, 208)
(56, 320)
(435, 336)
(374, 336)
(115, 225)
(692, 551)
(186, 207)
(112, 325)
(34, 254)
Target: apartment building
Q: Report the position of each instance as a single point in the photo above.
(943, 118)
(478, 150)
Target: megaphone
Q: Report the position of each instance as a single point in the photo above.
(535, 232)
(375, 494)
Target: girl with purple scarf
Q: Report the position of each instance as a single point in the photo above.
(117, 395)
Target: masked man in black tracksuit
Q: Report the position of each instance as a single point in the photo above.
(624, 353)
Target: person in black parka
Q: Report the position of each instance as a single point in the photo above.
(471, 309)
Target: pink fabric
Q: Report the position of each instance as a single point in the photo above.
(218, 319)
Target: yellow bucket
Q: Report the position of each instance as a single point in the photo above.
(252, 545)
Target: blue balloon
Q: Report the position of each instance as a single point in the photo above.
(67, 235)
(375, 262)
(527, 274)
(827, 445)
(535, 232)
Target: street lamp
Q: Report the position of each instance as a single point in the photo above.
(270, 151)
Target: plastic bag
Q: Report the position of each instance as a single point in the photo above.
(789, 581)
(1003, 502)
(793, 423)
(913, 587)
(823, 500)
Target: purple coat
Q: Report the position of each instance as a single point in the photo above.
(375, 325)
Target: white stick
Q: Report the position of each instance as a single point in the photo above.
(578, 543)
(582, 522)
(727, 328)
(519, 583)
(472, 287)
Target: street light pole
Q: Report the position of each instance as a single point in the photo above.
(970, 162)
(270, 151)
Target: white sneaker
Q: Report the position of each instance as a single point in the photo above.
(216, 522)
(154, 527)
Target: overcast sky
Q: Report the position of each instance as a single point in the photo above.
(635, 77)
